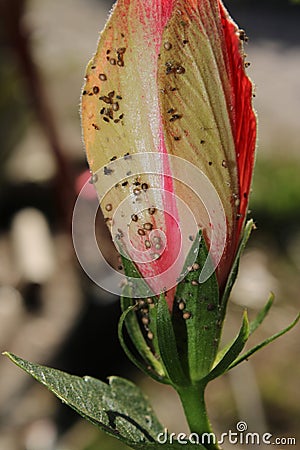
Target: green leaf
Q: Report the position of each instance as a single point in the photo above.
(232, 352)
(197, 326)
(167, 344)
(118, 408)
(235, 267)
(250, 352)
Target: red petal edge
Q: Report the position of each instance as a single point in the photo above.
(242, 116)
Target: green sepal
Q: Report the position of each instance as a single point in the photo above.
(254, 324)
(252, 327)
(131, 271)
(167, 345)
(149, 355)
(119, 408)
(235, 267)
(250, 352)
(197, 334)
(233, 351)
(149, 364)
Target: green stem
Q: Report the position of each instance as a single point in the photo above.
(193, 402)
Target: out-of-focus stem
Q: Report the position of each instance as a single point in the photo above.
(18, 37)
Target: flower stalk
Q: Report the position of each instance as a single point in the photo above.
(193, 402)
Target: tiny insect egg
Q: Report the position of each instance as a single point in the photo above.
(180, 70)
(186, 315)
(145, 320)
(224, 163)
(94, 178)
(181, 306)
(136, 191)
(150, 335)
(148, 226)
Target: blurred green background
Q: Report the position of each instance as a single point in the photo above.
(50, 312)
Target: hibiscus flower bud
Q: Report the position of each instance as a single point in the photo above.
(170, 137)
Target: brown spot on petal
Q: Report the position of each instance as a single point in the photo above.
(242, 35)
(167, 45)
(180, 70)
(107, 171)
(175, 117)
(148, 226)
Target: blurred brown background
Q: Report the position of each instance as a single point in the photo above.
(50, 312)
